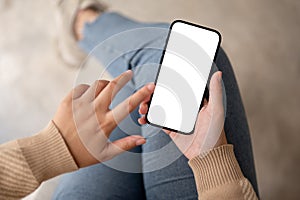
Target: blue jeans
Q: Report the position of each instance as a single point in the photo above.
(160, 171)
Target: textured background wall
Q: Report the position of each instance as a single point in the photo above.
(260, 37)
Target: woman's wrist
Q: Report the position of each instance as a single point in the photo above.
(206, 149)
(79, 153)
(222, 140)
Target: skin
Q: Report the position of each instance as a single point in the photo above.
(95, 99)
(209, 132)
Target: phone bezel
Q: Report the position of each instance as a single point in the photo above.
(161, 60)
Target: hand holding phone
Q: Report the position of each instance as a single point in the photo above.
(181, 81)
(209, 132)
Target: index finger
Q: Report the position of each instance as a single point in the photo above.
(123, 109)
(106, 96)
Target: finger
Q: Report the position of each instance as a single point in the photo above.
(78, 91)
(144, 104)
(123, 109)
(174, 135)
(142, 120)
(95, 89)
(109, 92)
(100, 86)
(143, 108)
(216, 96)
(167, 131)
(125, 144)
(146, 100)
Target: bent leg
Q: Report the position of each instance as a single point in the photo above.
(100, 182)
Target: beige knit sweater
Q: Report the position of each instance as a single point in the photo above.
(26, 163)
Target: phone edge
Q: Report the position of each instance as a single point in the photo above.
(159, 68)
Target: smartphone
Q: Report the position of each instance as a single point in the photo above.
(182, 77)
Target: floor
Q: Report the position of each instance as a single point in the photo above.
(260, 37)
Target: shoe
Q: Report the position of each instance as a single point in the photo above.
(67, 47)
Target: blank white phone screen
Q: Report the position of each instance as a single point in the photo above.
(182, 77)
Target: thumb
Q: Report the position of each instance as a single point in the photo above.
(119, 146)
(216, 93)
(215, 104)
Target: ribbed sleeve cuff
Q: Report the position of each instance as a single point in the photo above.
(47, 154)
(215, 168)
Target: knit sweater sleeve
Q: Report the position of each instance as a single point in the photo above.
(26, 163)
(218, 176)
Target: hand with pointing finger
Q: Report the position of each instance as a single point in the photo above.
(208, 131)
(86, 122)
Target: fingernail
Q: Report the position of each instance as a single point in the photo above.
(140, 142)
(150, 86)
